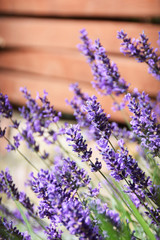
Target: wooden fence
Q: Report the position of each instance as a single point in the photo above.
(39, 38)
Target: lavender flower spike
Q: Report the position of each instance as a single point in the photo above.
(7, 186)
(99, 120)
(52, 233)
(144, 122)
(106, 75)
(79, 145)
(141, 50)
(8, 231)
(87, 48)
(5, 106)
(76, 103)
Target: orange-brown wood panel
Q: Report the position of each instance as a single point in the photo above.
(60, 33)
(105, 8)
(72, 65)
(58, 91)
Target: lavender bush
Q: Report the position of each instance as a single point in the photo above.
(98, 191)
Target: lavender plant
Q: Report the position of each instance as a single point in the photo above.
(89, 192)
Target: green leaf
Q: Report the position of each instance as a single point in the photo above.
(136, 214)
(106, 225)
(24, 217)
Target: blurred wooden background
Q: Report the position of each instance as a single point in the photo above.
(38, 45)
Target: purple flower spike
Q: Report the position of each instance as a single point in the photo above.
(99, 120)
(108, 214)
(7, 186)
(5, 106)
(96, 166)
(53, 233)
(144, 122)
(7, 230)
(141, 50)
(106, 75)
(79, 145)
(87, 47)
(76, 103)
(77, 220)
(157, 107)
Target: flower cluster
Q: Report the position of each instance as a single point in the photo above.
(59, 203)
(120, 163)
(38, 119)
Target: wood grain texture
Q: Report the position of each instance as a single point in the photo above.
(105, 8)
(72, 66)
(60, 33)
(58, 91)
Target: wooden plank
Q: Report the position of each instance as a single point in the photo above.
(58, 90)
(105, 8)
(28, 32)
(71, 65)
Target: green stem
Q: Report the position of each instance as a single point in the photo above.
(21, 154)
(39, 155)
(143, 203)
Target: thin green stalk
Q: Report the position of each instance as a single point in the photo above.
(115, 189)
(21, 154)
(39, 155)
(112, 145)
(137, 195)
(143, 203)
(29, 227)
(18, 204)
(137, 215)
(23, 216)
(19, 208)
